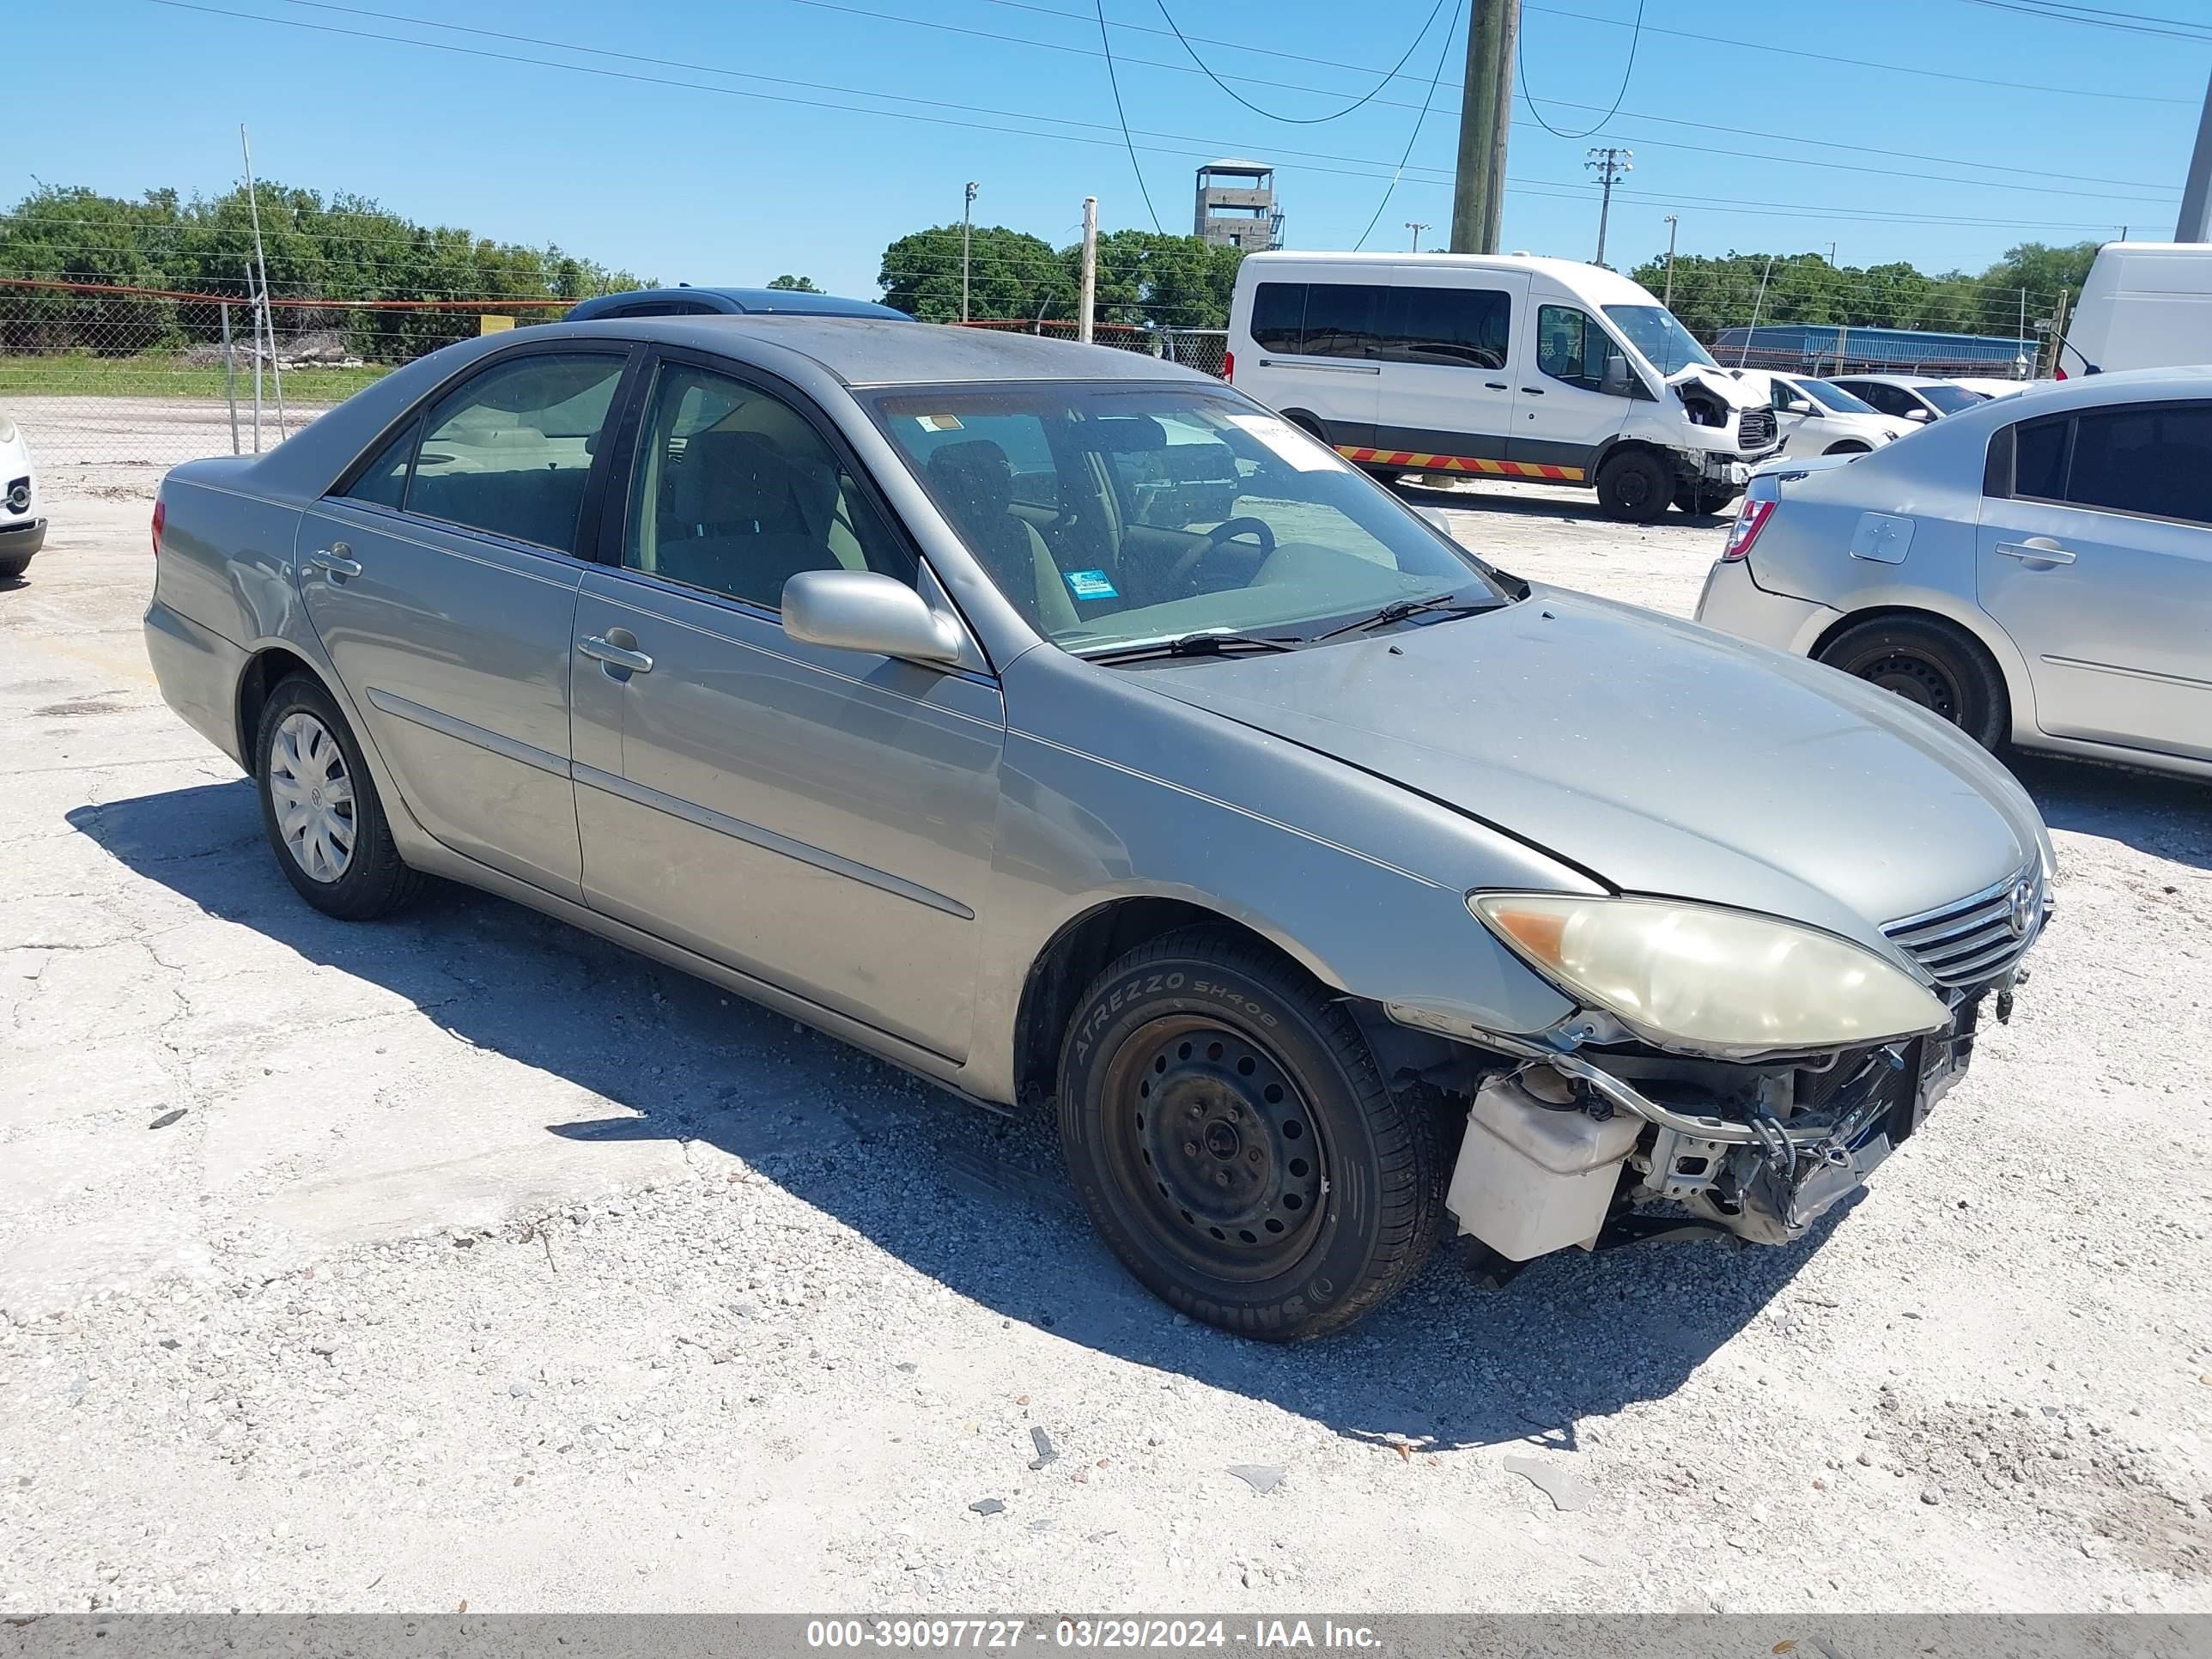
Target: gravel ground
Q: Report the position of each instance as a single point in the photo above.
(464, 1259)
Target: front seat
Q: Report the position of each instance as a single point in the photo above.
(975, 483)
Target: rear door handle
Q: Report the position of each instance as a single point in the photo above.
(335, 562)
(615, 655)
(2036, 549)
(1533, 391)
(1496, 385)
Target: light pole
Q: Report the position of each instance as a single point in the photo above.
(967, 215)
(1673, 225)
(1417, 226)
(1610, 165)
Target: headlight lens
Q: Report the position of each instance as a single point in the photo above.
(1695, 975)
(7, 430)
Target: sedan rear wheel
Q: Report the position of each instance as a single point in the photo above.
(1931, 663)
(321, 808)
(1235, 1145)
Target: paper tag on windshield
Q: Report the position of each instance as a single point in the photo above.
(1302, 451)
(938, 422)
(1091, 585)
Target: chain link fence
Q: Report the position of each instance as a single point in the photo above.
(1203, 349)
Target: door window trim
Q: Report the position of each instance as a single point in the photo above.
(604, 546)
(417, 415)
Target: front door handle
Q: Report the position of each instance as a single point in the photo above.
(337, 562)
(615, 656)
(2036, 549)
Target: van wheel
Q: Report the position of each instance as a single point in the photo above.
(320, 808)
(1701, 503)
(1932, 662)
(1228, 1131)
(1635, 486)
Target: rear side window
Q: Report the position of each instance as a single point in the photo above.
(2155, 459)
(509, 452)
(1343, 319)
(1278, 316)
(2038, 465)
(1466, 327)
(383, 482)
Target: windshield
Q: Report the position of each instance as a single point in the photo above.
(1114, 516)
(1835, 398)
(1653, 330)
(1947, 398)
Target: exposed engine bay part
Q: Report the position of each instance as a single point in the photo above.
(1537, 1171)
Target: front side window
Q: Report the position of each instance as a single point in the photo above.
(1888, 399)
(735, 493)
(1465, 327)
(1789, 400)
(509, 452)
(1571, 345)
(1949, 399)
(1181, 511)
(2153, 459)
(1835, 398)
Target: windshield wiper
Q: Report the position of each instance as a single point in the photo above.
(1398, 609)
(1192, 645)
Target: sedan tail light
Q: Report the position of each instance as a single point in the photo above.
(161, 515)
(1229, 367)
(1757, 510)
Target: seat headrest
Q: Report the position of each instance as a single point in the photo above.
(730, 477)
(975, 474)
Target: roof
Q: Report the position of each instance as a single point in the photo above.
(1237, 164)
(872, 351)
(775, 299)
(1595, 280)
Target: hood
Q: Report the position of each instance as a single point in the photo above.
(1659, 756)
(1749, 390)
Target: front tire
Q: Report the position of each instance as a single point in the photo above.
(320, 807)
(1934, 664)
(1635, 487)
(13, 565)
(1701, 503)
(1235, 1145)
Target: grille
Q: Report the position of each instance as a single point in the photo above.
(1756, 429)
(1978, 937)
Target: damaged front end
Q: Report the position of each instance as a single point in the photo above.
(1737, 410)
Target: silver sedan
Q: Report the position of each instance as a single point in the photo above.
(1070, 730)
(2036, 570)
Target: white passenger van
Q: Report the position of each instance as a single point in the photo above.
(2146, 305)
(1543, 369)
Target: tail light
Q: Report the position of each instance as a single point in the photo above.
(1757, 510)
(1229, 367)
(2059, 373)
(161, 516)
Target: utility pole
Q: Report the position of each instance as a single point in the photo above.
(967, 215)
(1417, 226)
(2196, 224)
(1610, 164)
(1089, 300)
(1674, 224)
(1486, 120)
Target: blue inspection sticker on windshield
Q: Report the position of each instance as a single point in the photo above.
(1090, 585)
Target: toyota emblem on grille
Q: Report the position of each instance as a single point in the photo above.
(2020, 915)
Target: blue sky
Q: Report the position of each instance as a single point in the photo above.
(691, 182)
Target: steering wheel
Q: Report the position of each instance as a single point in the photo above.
(1223, 533)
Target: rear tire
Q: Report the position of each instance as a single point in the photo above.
(1235, 1145)
(320, 808)
(1932, 662)
(1635, 487)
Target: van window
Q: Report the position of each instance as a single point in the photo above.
(1343, 320)
(1572, 346)
(1278, 316)
(1466, 327)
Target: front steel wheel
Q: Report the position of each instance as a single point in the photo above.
(1235, 1145)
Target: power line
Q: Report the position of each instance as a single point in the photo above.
(1123, 116)
(1529, 93)
(1442, 51)
(2101, 20)
(1389, 76)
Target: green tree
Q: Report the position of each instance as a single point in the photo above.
(794, 284)
(1011, 274)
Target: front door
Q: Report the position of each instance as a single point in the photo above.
(820, 818)
(442, 579)
(1562, 418)
(2099, 565)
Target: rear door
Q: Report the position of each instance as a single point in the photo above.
(2094, 553)
(1445, 343)
(822, 819)
(441, 578)
(1314, 345)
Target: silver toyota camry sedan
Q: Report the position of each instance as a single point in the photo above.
(1066, 728)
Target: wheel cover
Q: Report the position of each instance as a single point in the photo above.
(1209, 1136)
(1914, 678)
(312, 793)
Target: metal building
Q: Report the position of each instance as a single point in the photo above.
(1825, 347)
(1237, 205)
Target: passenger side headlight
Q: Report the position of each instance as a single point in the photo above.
(1700, 976)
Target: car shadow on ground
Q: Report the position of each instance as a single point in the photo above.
(2167, 817)
(976, 1200)
(1570, 505)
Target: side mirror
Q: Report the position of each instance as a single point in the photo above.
(864, 611)
(1434, 516)
(1615, 381)
(1919, 415)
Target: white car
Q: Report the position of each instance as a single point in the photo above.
(1990, 388)
(1915, 398)
(1817, 418)
(22, 531)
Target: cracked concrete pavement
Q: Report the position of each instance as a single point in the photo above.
(486, 1262)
